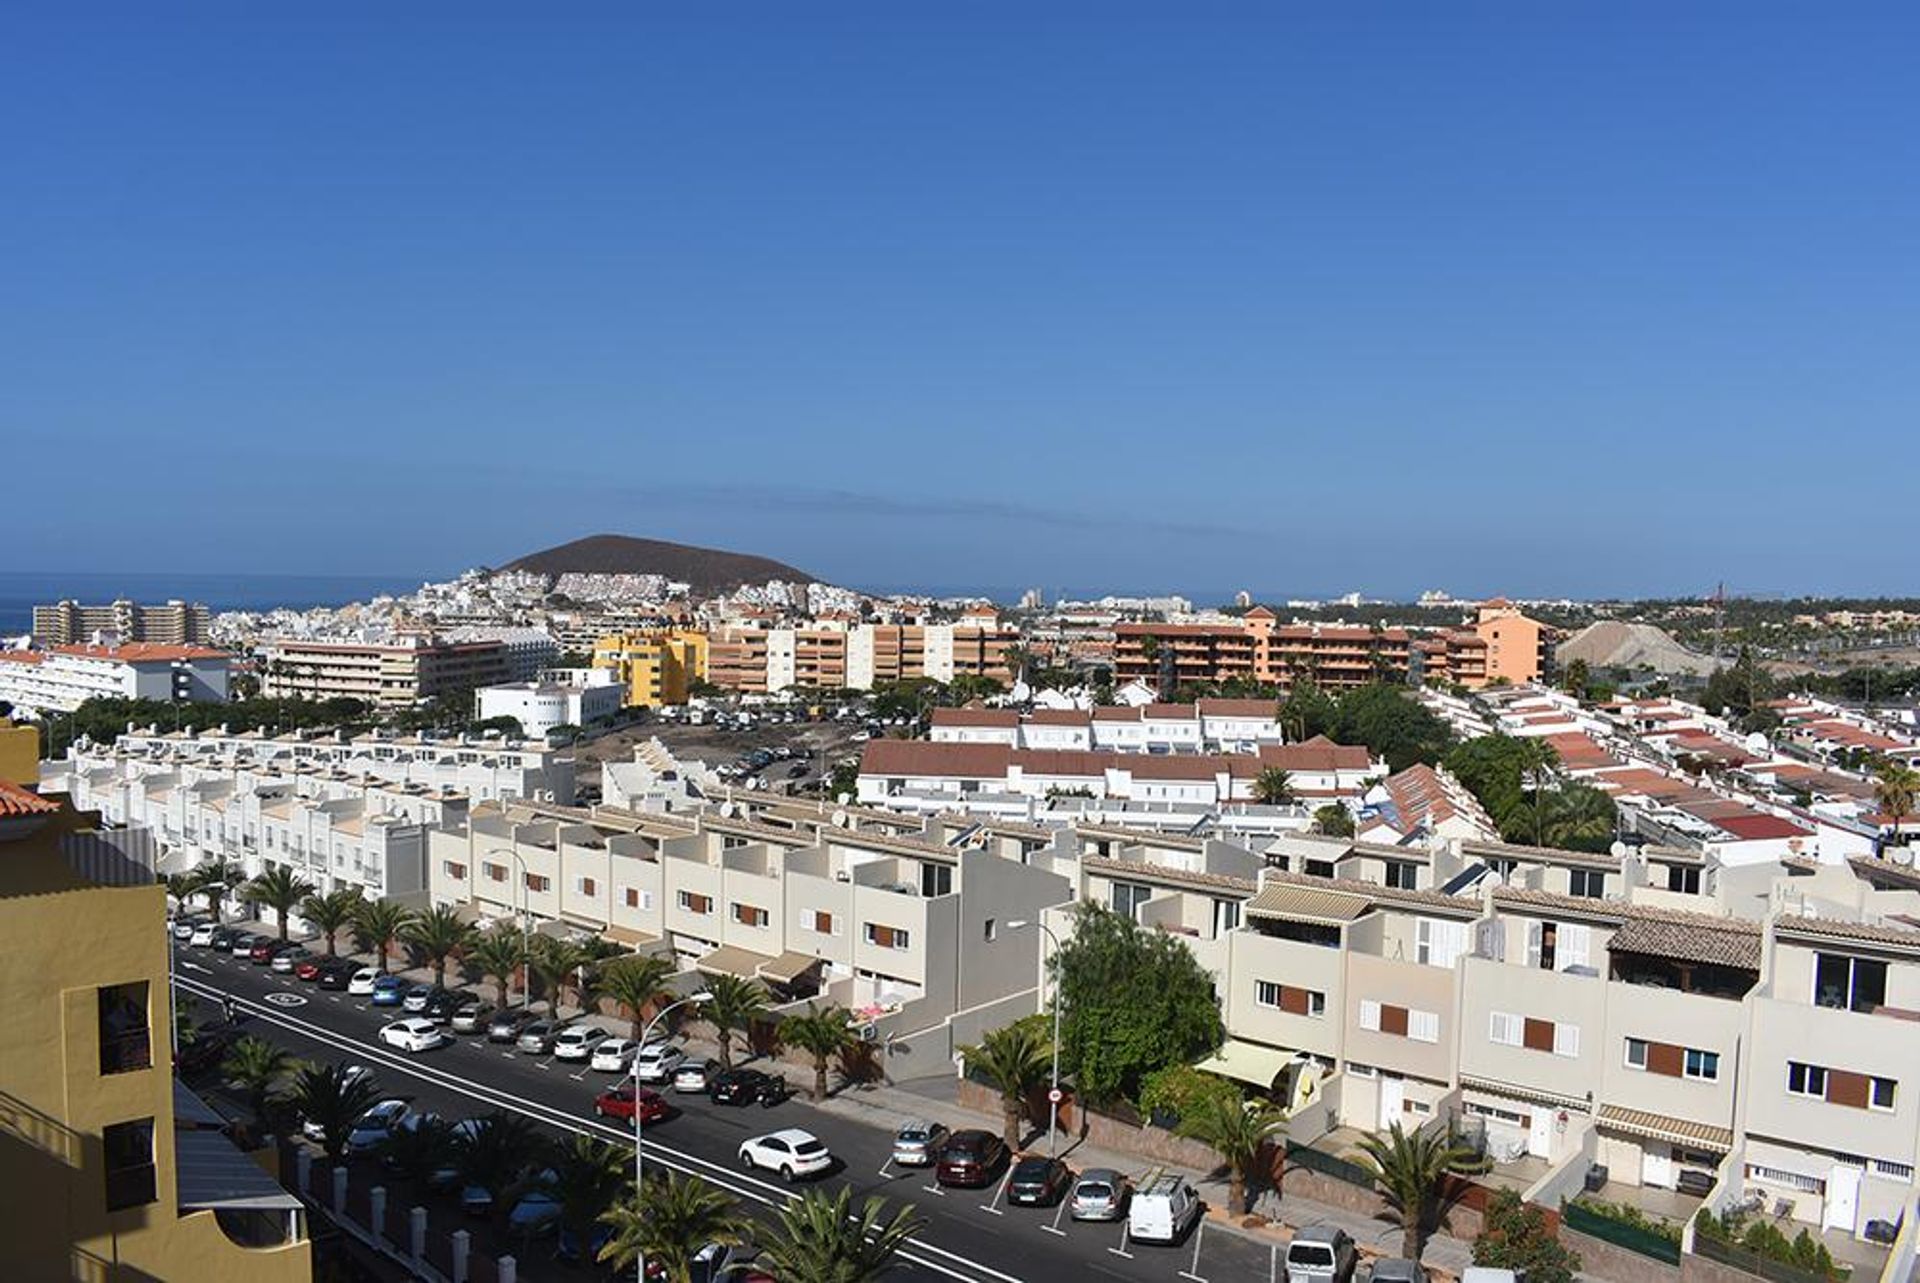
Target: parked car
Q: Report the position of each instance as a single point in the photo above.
(362, 983)
(538, 1037)
(508, 1025)
(372, 1128)
(791, 1152)
(971, 1158)
(918, 1142)
(747, 1086)
(1099, 1195)
(389, 991)
(692, 1077)
(1398, 1269)
(473, 1016)
(1321, 1254)
(416, 1033)
(416, 998)
(203, 934)
(263, 948)
(183, 928)
(537, 1212)
(242, 943)
(309, 967)
(221, 939)
(576, 1042)
(1038, 1182)
(287, 960)
(1163, 1211)
(337, 973)
(443, 1003)
(614, 1055)
(618, 1102)
(657, 1061)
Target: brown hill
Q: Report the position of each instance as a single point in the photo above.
(707, 569)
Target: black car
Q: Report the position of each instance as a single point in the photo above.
(222, 941)
(442, 1003)
(745, 1086)
(1038, 1182)
(970, 1158)
(335, 973)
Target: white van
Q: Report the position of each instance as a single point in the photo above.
(1162, 1211)
(1488, 1274)
(1321, 1254)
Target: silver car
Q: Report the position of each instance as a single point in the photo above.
(1099, 1195)
(918, 1142)
(538, 1037)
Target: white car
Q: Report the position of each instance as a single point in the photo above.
(362, 983)
(614, 1055)
(791, 1152)
(311, 1129)
(203, 934)
(576, 1042)
(414, 1034)
(374, 1126)
(656, 1062)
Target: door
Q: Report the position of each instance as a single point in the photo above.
(1393, 1099)
(1540, 1132)
(1842, 1208)
(1656, 1164)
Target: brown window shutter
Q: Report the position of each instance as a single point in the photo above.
(1665, 1058)
(1393, 1020)
(823, 923)
(588, 886)
(1844, 1088)
(1293, 1001)
(1538, 1035)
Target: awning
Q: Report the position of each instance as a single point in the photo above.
(1308, 904)
(212, 1173)
(1248, 1062)
(1680, 1131)
(1517, 1091)
(732, 960)
(1689, 940)
(789, 966)
(634, 938)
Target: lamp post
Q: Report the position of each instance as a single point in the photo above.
(526, 912)
(1053, 1091)
(640, 1115)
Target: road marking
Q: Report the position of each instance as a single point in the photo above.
(194, 966)
(286, 1000)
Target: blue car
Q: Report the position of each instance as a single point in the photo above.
(389, 991)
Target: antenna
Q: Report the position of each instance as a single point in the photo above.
(1719, 600)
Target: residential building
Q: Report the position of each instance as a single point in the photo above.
(529, 650)
(540, 706)
(19, 752)
(393, 674)
(656, 667)
(176, 623)
(60, 679)
(1518, 649)
(1257, 648)
(1210, 725)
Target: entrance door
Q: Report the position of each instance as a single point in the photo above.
(1540, 1132)
(1842, 1208)
(1656, 1164)
(1393, 1099)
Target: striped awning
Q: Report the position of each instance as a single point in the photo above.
(1520, 1091)
(789, 966)
(1307, 904)
(1680, 1131)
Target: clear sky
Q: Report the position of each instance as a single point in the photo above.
(1533, 298)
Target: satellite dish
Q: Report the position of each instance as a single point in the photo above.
(727, 810)
(1618, 850)
(839, 819)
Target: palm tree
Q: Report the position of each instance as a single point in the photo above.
(332, 913)
(496, 1153)
(498, 954)
(671, 1220)
(1411, 1170)
(821, 1238)
(260, 1069)
(215, 881)
(1538, 760)
(820, 1032)
(1273, 787)
(1578, 813)
(418, 1151)
(439, 933)
(735, 1004)
(377, 924)
(1238, 1129)
(637, 983)
(280, 889)
(1015, 1058)
(556, 962)
(587, 1173)
(1895, 788)
(182, 887)
(326, 1095)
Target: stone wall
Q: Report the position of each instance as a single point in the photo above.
(1151, 1144)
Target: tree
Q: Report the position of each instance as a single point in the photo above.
(260, 1070)
(587, 1174)
(1576, 679)
(1516, 1237)
(331, 913)
(844, 779)
(672, 1218)
(558, 962)
(1131, 1001)
(498, 954)
(420, 1150)
(1015, 1059)
(1273, 787)
(1579, 817)
(1392, 724)
(215, 882)
(735, 1005)
(496, 1153)
(639, 984)
(181, 888)
(438, 934)
(822, 1238)
(1239, 1130)
(1412, 1170)
(821, 1032)
(1738, 692)
(280, 889)
(329, 1097)
(377, 924)
(1307, 710)
(1895, 786)
(1333, 820)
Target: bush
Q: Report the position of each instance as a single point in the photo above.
(1626, 1214)
(1763, 1238)
(1177, 1091)
(1516, 1237)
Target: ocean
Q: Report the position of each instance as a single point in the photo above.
(21, 591)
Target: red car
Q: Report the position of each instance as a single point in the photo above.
(309, 968)
(617, 1102)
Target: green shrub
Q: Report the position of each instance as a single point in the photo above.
(1627, 1214)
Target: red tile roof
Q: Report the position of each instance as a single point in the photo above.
(1059, 717)
(1239, 708)
(141, 652)
(1752, 827)
(976, 717)
(1316, 754)
(16, 802)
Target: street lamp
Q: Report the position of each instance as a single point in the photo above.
(526, 913)
(640, 1115)
(1053, 1092)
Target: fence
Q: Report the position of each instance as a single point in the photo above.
(1315, 1160)
(1632, 1237)
(1750, 1262)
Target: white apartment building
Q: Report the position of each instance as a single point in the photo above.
(540, 706)
(390, 674)
(529, 650)
(1208, 726)
(58, 680)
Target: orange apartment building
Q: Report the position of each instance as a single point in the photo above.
(834, 655)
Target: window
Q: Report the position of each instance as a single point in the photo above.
(1856, 984)
(1587, 882)
(1880, 1093)
(1506, 1029)
(1226, 916)
(694, 902)
(822, 923)
(495, 872)
(1318, 868)
(1892, 1170)
(1683, 879)
(1357, 1070)
(748, 915)
(1704, 1065)
(1636, 1053)
(886, 937)
(989, 930)
(1128, 897)
(125, 1041)
(538, 882)
(936, 879)
(455, 870)
(1423, 1026)
(1316, 1003)
(586, 886)
(127, 1150)
(1437, 943)
(632, 897)
(1806, 1080)
(1266, 993)
(1403, 875)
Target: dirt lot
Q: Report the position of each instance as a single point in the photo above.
(823, 743)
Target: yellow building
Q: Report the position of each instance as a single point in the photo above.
(658, 666)
(19, 753)
(91, 1159)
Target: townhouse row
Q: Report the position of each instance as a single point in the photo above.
(1206, 726)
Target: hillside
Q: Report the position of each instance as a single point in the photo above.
(707, 569)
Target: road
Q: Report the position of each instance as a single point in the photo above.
(963, 1239)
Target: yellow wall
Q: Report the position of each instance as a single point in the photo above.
(19, 753)
(655, 667)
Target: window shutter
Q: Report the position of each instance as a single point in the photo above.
(1423, 1026)
(1423, 941)
(1393, 1020)
(1370, 1015)
(1534, 934)
(1566, 1040)
(1665, 1058)
(1570, 949)
(1537, 1035)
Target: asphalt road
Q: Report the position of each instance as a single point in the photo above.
(963, 1240)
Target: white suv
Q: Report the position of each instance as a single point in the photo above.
(657, 1061)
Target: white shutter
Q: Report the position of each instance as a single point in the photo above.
(1571, 945)
(1449, 942)
(1492, 942)
(1423, 1026)
(1370, 1015)
(1535, 930)
(1566, 1040)
(1423, 941)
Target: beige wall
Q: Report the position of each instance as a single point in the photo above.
(1544, 995)
(1877, 1046)
(1681, 1020)
(1401, 984)
(1254, 957)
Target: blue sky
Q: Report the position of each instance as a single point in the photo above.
(1528, 298)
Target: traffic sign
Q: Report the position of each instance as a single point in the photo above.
(1055, 1096)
